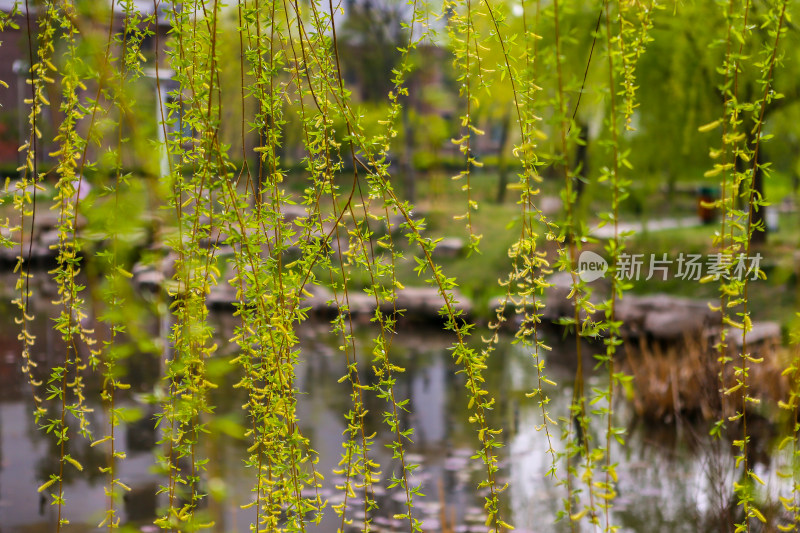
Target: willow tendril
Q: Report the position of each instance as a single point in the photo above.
(233, 225)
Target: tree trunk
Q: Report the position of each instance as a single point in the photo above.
(581, 161)
(756, 214)
(410, 177)
(502, 163)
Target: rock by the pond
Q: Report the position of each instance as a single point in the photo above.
(449, 248)
(673, 324)
(556, 296)
(760, 333)
(664, 317)
(425, 302)
(550, 205)
(357, 303)
(659, 316)
(412, 303)
(316, 298)
(221, 295)
(39, 245)
(152, 276)
(148, 278)
(50, 238)
(395, 223)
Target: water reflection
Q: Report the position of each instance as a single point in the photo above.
(668, 480)
(675, 479)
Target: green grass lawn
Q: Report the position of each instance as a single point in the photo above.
(442, 202)
(772, 299)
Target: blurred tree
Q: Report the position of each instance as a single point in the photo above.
(371, 35)
(682, 88)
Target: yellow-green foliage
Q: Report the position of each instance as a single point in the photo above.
(259, 85)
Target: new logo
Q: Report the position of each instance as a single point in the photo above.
(591, 266)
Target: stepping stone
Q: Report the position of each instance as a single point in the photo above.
(761, 332)
(449, 248)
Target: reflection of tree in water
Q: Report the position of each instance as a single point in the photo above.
(658, 497)
(372, 33)
(77, 447)
(685, 473)
(138, 362)
(141, 503)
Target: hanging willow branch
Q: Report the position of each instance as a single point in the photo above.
(233, 225)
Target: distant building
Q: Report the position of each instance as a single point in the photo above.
(14, 69)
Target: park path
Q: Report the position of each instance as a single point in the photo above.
(607, 231)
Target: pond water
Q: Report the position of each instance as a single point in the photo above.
(671, 478)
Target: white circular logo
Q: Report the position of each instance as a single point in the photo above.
(591, 266)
